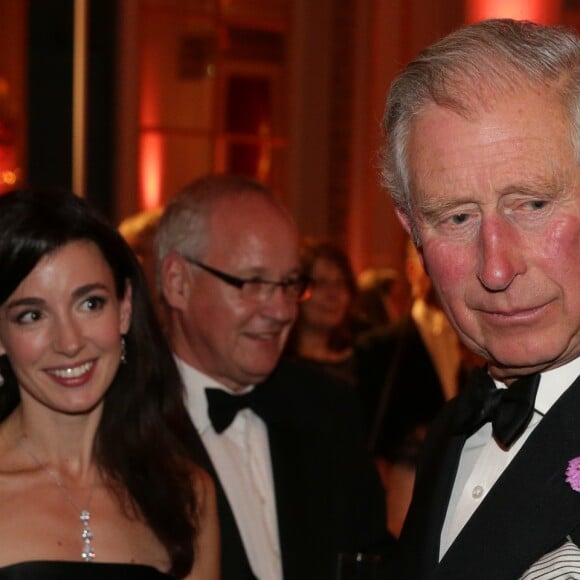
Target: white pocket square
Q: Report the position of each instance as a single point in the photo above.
(561, 564)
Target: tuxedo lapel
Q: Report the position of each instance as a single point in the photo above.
(287, 467)
(530, 509)
(289, 457)
(312, 506)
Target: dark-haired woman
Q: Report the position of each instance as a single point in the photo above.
(97, 478)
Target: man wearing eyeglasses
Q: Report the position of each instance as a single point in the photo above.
(295, 485)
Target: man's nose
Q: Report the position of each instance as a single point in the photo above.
(280, 305)
(501, 258)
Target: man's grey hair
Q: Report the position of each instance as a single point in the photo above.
(183, 228)
(470, 70)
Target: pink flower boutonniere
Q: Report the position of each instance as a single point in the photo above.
(573, 473)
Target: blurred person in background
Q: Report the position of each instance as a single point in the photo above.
(407, 370)
(139, 231)
(383, 297)
(323, 334)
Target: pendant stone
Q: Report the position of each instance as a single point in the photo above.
(88, 553)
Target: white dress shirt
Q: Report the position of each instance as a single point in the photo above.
(483, 460)
(241, 457)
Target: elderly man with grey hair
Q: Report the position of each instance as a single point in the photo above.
(482, 161)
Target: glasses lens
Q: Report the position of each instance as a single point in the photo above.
(255, 290)
(261, 290)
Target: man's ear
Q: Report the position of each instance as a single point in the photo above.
(405, 222)
(408, 227)
(175, 281)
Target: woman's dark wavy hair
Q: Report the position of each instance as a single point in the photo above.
(142, 444)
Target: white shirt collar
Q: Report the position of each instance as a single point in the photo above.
(553, 384)
(195, 384)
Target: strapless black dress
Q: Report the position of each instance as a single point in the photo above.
(57, 570)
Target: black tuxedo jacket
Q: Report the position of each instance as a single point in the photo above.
(528, 512)
(328, 495)
(416, 396)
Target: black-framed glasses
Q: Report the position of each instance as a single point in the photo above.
(257, 289)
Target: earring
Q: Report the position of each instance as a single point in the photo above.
(1, 380)
(123, 351)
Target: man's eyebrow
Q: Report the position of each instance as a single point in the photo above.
(261, 273)
(430, 209)
(535, 187)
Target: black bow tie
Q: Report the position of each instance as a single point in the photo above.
(223, 407)
(509, 410)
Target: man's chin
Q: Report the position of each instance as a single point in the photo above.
(516, 366)
(252, 376)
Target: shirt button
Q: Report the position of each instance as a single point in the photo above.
(477, 492)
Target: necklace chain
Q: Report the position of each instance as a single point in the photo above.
(88, 552)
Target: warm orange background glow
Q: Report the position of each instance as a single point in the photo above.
(543, 11)
(151, 165)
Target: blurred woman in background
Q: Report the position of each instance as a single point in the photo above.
(323, 333)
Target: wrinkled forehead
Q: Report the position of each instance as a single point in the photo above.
(471, 94)
(521, 144)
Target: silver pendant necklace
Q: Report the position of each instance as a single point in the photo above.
(88, 552)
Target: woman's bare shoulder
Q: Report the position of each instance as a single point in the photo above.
(204, 487)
